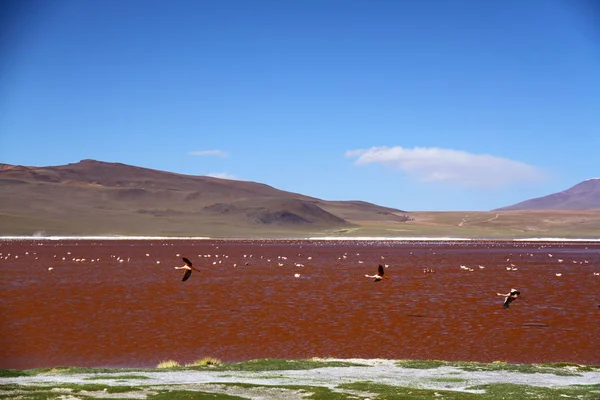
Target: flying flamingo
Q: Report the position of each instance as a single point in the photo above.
(379, 275)
(188, 269)
(509, 297)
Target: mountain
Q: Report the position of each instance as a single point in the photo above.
(583, 196)
(100, 198)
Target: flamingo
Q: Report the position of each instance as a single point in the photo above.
(188, 269)
(509, 297)
(379, 275)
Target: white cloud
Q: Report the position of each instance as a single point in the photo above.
(223, 175)
(447, 165)
(219, 153)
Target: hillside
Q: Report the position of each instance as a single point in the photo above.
(94, 198)
(99, 198)
(583, 196)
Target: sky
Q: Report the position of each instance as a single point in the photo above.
(420, 105)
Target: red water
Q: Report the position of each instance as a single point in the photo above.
(121, 303)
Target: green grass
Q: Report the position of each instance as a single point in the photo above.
(77, 370)
(347, 391)
(321, 393)
(389, 392)
(69, 387)
(189, 395)
(577, 367)
(561, 369)
(485, 392)
(12, 373)
(44, 395)
(522, 368)
(492, 392)
(307, 392)
(421, 364)
(14, 386)
(509, 390)
(448, 380)
(267, 364)
(115, 377)
(94, 387)
(275, 364)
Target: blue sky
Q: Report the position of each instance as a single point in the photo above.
(415, 104)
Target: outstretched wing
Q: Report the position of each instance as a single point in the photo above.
(186, 261)
(380, 270)
(186, 276)
(507, 302)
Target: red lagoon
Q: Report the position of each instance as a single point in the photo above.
(121, 303)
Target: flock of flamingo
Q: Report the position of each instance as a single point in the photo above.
(378, 276)
(509, 297)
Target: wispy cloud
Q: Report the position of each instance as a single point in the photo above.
(218, 153)
(223, 175)
(447, 165)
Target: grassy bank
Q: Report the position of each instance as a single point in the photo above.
(309, 379)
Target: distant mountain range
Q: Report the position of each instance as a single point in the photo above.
(95, 198)
(583, 196)
(100, 198)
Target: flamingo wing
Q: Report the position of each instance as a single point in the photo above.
(380, 270)
(187, 261)
(186, 276)
(507, 302)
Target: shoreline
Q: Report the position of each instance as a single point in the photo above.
(340, 378)
(313, 238)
